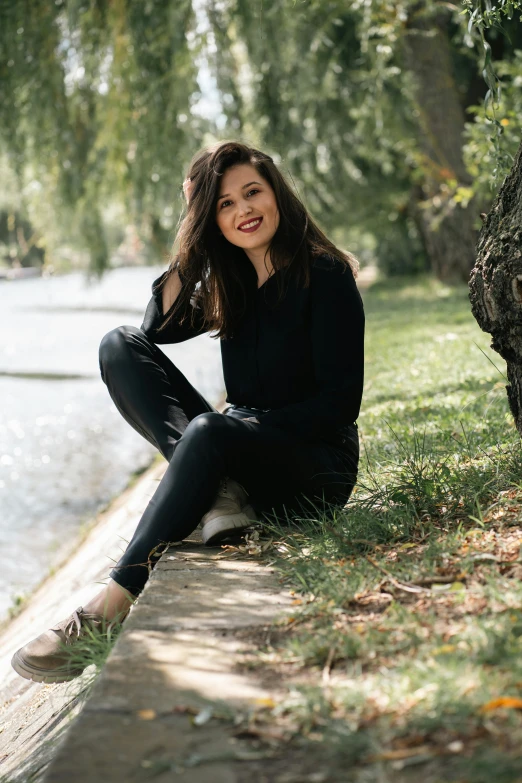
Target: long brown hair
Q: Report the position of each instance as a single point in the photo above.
(212, 268)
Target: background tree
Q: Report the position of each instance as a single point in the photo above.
(376, 109)
(447, 225)
(375, 98)
(496, 280)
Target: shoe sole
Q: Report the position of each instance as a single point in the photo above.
(41, 675)
(221, 527)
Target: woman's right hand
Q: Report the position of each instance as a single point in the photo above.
(188, 186)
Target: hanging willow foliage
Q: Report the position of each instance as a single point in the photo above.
(366, 103)
(95, 109)
(97, 112)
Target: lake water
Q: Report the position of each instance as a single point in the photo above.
(65, 450)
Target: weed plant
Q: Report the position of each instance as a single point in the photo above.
(405, 643)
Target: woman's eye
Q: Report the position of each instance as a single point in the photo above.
(224, 203)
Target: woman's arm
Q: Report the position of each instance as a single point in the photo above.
(171, 290)
(158, 309)
(337, 339)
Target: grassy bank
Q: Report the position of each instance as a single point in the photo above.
(403, 658)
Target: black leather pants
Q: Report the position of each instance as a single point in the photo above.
(282, 474)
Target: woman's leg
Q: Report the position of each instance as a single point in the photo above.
(156, 399)
(149, 391)
(272, 466)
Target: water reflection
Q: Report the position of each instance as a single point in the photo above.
(64, 448)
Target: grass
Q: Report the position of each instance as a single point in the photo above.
(92, 648)
(405, 646)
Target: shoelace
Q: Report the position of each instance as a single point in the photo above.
(223, 487)
(75, 623)
(78, 617)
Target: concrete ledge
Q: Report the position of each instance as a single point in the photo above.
(177, 653)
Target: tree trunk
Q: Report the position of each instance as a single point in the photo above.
(496, 282)
(447, 228)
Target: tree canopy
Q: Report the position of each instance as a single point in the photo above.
(386, 115)
(96, 112)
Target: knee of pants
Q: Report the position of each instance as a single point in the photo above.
(113, 346)
(211, 427)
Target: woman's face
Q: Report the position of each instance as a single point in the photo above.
(246, 208)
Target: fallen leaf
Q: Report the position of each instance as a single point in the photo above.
(457, 587)
(203, 716)
(444, 649)
(265, 702)
(457, 746)
(402, 753)
(511, 702)
(146, 714)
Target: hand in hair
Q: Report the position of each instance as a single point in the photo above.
(188, 186)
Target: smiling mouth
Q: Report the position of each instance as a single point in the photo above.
(251, 226)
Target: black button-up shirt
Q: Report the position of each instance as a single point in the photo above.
(302, 360)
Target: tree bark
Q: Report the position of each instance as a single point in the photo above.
(496, 282)
(447, 228)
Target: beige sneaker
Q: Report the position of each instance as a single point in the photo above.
(46, 658)
(230, 512)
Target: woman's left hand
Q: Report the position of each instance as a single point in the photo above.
(251, 418)
(188, 186)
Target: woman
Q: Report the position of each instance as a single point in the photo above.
(252, 266)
